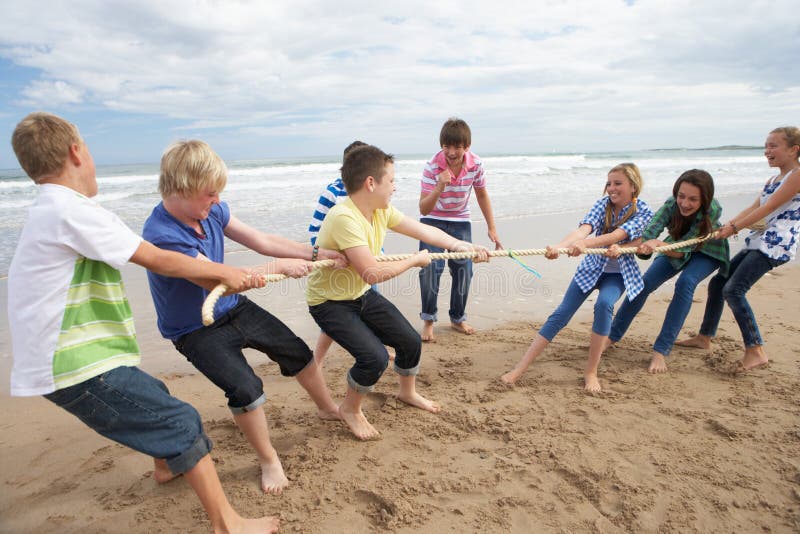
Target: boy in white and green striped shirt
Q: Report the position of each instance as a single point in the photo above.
(72, 332)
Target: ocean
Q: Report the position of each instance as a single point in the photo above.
(279, 195)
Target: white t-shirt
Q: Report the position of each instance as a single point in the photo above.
(69, 316)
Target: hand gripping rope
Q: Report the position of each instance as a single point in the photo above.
(207, 311)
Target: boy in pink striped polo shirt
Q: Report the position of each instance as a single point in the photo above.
(447, 181)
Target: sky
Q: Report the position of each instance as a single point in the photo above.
(270, 79)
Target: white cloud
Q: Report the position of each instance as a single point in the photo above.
(535, 74)
(50, 93)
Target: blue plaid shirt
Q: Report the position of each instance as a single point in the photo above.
(592, 266)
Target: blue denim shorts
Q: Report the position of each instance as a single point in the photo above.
(132, 408)
(216, 351)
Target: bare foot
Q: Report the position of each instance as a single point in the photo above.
(754, 357)
(161, 472)
(259, 526)
(417, 400)
(273, 480)
(658, 364)
(591, 383)
(427, 332)
(329, 415)
(510, 377)
(359, 425)
(698, 342)
(463, 327)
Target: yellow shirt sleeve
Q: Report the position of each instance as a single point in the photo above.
(346, 227)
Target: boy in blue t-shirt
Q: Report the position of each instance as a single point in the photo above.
(192, 220)
(71, 326)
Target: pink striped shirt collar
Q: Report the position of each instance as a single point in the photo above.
(469, 162)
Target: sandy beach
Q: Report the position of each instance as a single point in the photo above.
(696, 450)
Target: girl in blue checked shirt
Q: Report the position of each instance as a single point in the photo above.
(691, 211)
(618, 217)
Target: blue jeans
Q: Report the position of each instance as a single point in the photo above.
(460, 271)
(698, 268)
(132, 408)
(610, 286)
(747, 267)
(363, 327)
(216, 351)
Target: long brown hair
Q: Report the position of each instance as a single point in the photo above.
(631, 171)
(679, 224)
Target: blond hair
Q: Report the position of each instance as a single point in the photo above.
(191, 166)
(791, 134)
(42, 142)
(631, 171)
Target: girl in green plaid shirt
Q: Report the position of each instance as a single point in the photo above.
(691, 212)
(764, 249)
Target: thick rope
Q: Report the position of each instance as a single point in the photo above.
(207, 311)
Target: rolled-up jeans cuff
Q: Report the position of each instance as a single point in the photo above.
(358, 388)
(428, 316)
(250, 407)
(189, 458)
(459, 320)
(406, 372)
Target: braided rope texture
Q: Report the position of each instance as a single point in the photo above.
(212, 298)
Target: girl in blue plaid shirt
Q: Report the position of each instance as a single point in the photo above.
(617, 218)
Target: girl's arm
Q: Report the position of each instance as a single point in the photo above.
(755, 212)
(577, 247)
(646, 249)
(578, 234)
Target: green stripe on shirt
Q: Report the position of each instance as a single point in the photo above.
(97, 330)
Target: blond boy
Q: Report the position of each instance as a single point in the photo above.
(72, 330)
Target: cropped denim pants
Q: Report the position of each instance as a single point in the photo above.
(610, 288)
(747, 267)
(363, 327)
(697, 269)
(460, 271)
(131, 407)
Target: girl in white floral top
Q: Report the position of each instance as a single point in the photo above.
(779, 204)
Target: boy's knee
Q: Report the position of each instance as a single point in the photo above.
(245, 393)
(188, 459)
(363, 377)
(410, 346)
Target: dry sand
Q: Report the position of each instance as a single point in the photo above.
(695, 450)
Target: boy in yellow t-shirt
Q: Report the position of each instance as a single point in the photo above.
(342, 302)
